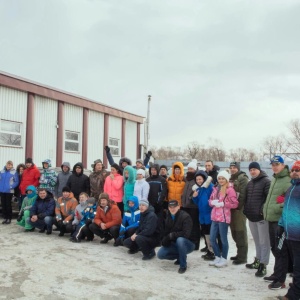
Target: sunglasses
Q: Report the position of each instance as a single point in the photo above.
(295, 170)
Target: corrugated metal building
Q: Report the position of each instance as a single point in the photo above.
(42, 122)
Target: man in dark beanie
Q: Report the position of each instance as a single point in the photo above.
(238, 228)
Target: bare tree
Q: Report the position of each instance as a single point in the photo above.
(275, 145)
(215, 151)
(242, 154)
(192, 150)
(293, 142)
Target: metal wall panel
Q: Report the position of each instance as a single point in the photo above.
(130, 137)
(45, 130)
(13, 107)
(115, 132)
(73, 121)
(95, 137)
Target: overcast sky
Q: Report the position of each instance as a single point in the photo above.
(227, 69)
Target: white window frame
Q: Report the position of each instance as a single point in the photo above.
(8, 132)
(72, 141)
(114, 145)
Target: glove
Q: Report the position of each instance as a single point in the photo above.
(107, 149)
(166, 241)
(194, 187)
(279, 231)
(149, 153)
(220, 204)
(215, 202)
(88, 222)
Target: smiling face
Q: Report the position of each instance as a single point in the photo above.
(295, 173)
(222, 180)
(199, 180)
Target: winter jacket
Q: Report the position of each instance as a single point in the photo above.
(62, 179)
(114, 187)
(110, 216)
(279, 185)
(290, 218)
(88, 213)
(148, 224)
(9, 180)
(158, 189)
(141, 189)
(176, 183)
(48, 179)
(97, 180)
(78, 212)
(30, 176)
(65, 208)
(187, 195)
(131, 217)
(256, 195)
(78, 183)
(128, 184)
(30, 199)
(43, 207)
(240, 181)
(214, 174)
(223, 214)
(180, 226)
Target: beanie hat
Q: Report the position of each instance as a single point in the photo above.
(144, 202)
(91, 200)
(9, 162)
(224, 174)
(140, 161)
(140, 171)
(235, 164)
(193, 164)
(66, 189)
(29, 160)
(254, 165)
(163, 166)
(104, 196)
(296, 165)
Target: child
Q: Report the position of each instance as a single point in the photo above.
(202, 191)
(130, 221)
(82, 229)
(222, 199)
(79, 208)
(25, 208)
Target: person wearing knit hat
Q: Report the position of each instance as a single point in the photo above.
(140, 172)
(238, 228)
(192, 165)
(224, 174)
(256, 193)
(141, 186)
(146, 237)
(163, 171)
(296, 166)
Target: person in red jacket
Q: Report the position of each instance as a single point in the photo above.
(31, 176)
(108, 219)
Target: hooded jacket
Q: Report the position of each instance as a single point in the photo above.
(43, 207)
(114, 187)
(65, 208)
(129, 183)
(239, 181)
(30, 176)
(78, 183)
(62, 179)
(279, 185)
(176, 183)
(256, 195)
(141, 189)
(110, 216)
(9, 180)
(48, 177)
(30, 199)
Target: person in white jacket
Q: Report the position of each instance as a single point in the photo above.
(141, 187)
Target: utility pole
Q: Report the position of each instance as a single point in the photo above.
(146, 127)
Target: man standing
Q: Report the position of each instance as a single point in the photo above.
(163, 171)
(176, 243)
(238, 228)
(97, 178)
(212, 170)
(62, 178)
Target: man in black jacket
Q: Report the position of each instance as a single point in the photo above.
(176, 243)
(146, 238)
(212, 170)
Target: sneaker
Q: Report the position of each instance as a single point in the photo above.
(254, 265)
(106, 239)
(75, 240)
(222, 263)
(181, 270)
(149, 256)
(261, 271)
(208, 256)
(215, 261)
(276, 285)
(8, 221)
(270, 278)
(234, 257)
(205, 249)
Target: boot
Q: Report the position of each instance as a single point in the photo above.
(209, 255)
(254, 265)
(262, 270)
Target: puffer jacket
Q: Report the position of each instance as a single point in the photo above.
(110, 216)
(43, 207)
(148, 224)
(129, 183)
(256, 195)
(66, 207)
(30, 176)
(9, 180)
(114, 187)
(279, 185)
(141, 189)
(176, 183)
(223, 214)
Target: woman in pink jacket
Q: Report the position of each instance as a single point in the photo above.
(222, 199)
(113, 185)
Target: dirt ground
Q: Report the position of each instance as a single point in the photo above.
(37, 266)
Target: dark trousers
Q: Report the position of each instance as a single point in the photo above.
(64, 228)
(6, 205)
(273, 237)
(113, 231)
(195, 234)
(121, 207)
(83, 231)
(145, 243)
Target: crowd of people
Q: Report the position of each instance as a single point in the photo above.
(143, 208)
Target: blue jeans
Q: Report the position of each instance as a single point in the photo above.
(177, 250)
(45, 223)
(222, 229)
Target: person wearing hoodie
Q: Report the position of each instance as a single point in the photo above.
(65, 211)
(129, 175)
(113, 186)
(27, 203)
(212, 170)
(78, 182)
(163, 171)
(147, 235)
(238, 228)
(141, 186)
(108, 219)
(9, 180)
(97, 178)
(130, 221)
(42, 212)
(48, 177)
(31, 176)
(80, 208)
(202, 191)
(62, 178)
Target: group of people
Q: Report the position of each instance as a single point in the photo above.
(143, 209)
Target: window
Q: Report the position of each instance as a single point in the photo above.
(10, 133)
(72, 141)
(114, 145)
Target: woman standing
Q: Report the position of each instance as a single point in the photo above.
(20, 170)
